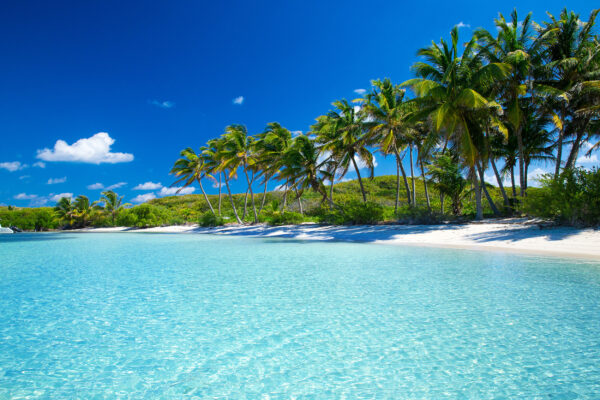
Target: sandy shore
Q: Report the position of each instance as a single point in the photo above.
(493, 235)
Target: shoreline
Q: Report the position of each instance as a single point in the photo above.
(513, 235)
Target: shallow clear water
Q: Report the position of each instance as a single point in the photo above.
(199, 316)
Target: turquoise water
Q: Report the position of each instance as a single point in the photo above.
(198, 316)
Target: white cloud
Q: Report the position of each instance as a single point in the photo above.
(92, 150)
(360, 91)
(116, 185)
(39, 164)
(142, 198)
(296, 133)
(12, 166)
(25, 196)
(362, 165)
(24, 177)
(462, 25)
(57, 197)
(148, 186)
(95, 186)
(53, 181)
(238, 100)
(172, 191)
(162, 104)
(216, 184)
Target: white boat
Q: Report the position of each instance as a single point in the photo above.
(5, 230)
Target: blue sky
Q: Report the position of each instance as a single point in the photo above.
(99, 94)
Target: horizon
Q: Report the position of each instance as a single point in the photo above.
(101, 97)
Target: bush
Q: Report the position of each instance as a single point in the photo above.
(285, 218)
(419, 216)
(573, 198)
(147, 215)
(209, 219)
(352, 212)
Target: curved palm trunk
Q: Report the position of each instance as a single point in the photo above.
(397, 186)
(425, 185)
(512, 181)
(299, 201)
(412, 177)
(362, 188)
(251, 194)
(521, 162)
(331, 187)
(399, 164)
(219, 194)
(485, 191)
(205, 196)
(442, 203)
(499, 179)
(561, 134)
(237, 217)
(476, 188)
(262, 204)
(285, 193)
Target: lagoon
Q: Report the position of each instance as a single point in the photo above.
(133, 315)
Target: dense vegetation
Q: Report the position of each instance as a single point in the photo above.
(491, 105)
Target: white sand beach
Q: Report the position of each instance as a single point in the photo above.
(514, 235)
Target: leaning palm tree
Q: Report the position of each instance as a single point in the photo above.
(215, 156)
(113, 204)
(83, 209)
(190, 168)
(65, 210)
(447, 94)
(345, 126)
(388, 129)
(238, 153)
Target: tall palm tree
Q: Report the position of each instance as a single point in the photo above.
(83, 209)
(270, 145)
(388, 126)
(302, 168)
(191, 168)
(238, 152)
(214, 155)
(447, 88)
(113, 204)
(65, 210)
(345, 126)
(571, 79)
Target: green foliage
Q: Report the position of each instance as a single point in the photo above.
(572, 198)
(28, 219)
(209, 219)
(147, 215)
(285, 218)
(353, 212)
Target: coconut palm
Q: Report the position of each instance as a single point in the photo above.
(83, 209)
(238, 152)
(65, 210)
(191, 168)
(389, 130)
(447, 87)
(113, 204)
(343, 128)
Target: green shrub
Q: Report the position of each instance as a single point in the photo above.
(356, 212)
(147, 215)
(573, 198)
(285, 218)
(209, 219)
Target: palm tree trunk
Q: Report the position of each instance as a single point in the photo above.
(425, 185)
(362, 188)
(251, 194)
(499, 179)
(205, 196)
(399, 161)
(485, 191)
(512, 181)
(285, 193)
(219, 194)
(237, 217)
(561, 133)
(575, 150)
(397, 186)
(521, 161)
(262, 204)
(412, 177)
(299, 201)
(245, 204)
(476, 188)
(331, 187)
(442, 203)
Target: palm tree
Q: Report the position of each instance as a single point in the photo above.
(388, 128)
(113, 204)
(83, 209)
(65, 210)
(345, 138)
(447, 89)
(445, 173)
(301, 167)
(190, 168)
(570, 80)
(215, 157)
(238, 153)
(269, 146)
